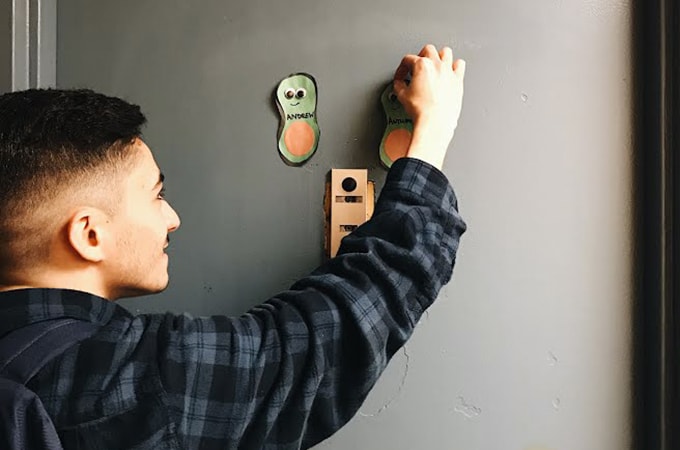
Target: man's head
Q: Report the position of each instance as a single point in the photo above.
(80, 196)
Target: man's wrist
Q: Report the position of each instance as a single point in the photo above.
(429, 143)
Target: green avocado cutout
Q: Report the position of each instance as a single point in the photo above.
(298, 130)
(397, 137)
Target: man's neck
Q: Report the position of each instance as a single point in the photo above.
(13, 287)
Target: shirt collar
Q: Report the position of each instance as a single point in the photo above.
(25, 306)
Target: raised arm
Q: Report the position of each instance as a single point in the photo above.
(295, 369)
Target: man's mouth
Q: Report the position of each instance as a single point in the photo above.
(294, 104)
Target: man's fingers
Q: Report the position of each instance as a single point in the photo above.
(399, 87)
(429, 51)
(459, 67)
(446, 54)
(405, 67)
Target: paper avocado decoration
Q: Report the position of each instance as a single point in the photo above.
(397, 136)
(298, 131)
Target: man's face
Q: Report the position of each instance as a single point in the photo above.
(139, 264)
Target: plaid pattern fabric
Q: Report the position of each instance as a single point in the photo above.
(285, 375)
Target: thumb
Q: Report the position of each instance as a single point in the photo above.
(399, 88)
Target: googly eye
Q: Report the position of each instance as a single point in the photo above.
(290, 93)
(301, 93)
(393, 97)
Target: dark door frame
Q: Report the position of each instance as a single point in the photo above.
(656, 313)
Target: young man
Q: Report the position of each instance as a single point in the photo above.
(83, 222)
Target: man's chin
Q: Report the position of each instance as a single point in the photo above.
(139, 291)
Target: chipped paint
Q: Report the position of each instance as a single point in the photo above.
(467, 409)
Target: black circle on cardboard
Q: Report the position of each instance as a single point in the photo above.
(349, 184)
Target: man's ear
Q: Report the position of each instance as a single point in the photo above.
(88, 231)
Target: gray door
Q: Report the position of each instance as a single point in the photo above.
(529, 345)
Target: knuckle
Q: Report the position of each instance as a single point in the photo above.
(422, 63)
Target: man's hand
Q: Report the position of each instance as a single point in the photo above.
(433, 99)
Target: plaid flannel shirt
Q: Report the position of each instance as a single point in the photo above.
(285, 375)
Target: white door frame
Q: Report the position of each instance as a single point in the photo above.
(33, 37)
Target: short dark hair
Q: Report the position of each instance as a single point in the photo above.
(52, 137)
(46, 132)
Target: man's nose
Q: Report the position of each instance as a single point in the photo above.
(172, 218)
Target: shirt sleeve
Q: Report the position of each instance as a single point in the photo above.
(292, 371)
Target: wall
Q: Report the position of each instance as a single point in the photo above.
(529, 345)
(5, 46)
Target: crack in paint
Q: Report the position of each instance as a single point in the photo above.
(397, 394)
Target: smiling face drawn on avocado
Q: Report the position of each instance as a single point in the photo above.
(299, 132)
(397, 137)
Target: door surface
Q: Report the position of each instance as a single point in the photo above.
(528, 347)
